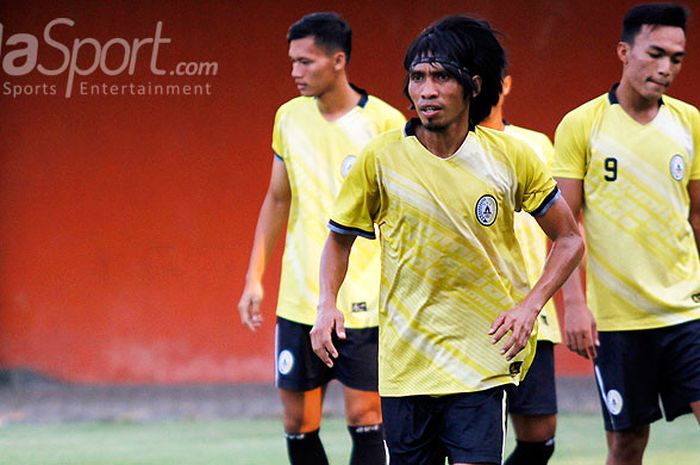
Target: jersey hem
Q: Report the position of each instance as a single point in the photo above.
(605, 328)
(484, 387)
(303, 321)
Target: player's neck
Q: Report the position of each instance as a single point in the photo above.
(337, 100)
(446, 142)
(640, 109)
(495, 119)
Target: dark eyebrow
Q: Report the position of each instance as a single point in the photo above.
(665, 52)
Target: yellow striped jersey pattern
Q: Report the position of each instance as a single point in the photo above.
(450, 260)
(317, 155)
(643, 269)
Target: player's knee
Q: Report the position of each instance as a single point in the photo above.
(292, 423)
(624, 456)
(363, 413)
(297, 422)
(531, 453)
(627, 454)
(534, 428)
(627, 447)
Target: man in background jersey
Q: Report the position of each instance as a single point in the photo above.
(629, 160)
(316, 138)
(443, 193)
(533, 405)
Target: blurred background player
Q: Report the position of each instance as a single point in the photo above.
(533, 404)
(629, 160)
(316, 138)
(443, 193)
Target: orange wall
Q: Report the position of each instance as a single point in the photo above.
(125, 221)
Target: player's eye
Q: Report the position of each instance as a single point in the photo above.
(416, 77)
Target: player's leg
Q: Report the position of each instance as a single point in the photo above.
(356, 369)
(301, 410)
(363, 412)
(533, 409)
(627, 447)
(302, 422)
(627, 373)
(534, 428)
(301, 378)
(534, 436)
(474, 427)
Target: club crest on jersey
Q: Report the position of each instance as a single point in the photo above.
(346, 165)
(486, 210)
(285, 362)
(677, 167)
(514, 368)
(359, 307)
(613, 401)
(696, 298)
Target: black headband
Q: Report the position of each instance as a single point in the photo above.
(442, 60)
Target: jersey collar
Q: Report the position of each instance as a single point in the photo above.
(411, 125)
(364, 96)
(612, 97)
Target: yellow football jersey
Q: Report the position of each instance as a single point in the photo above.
(642, 269)
(448, 254)
(318, 155)
(533, 240)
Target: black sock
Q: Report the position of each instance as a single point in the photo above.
(367, 445)
(531, 453)
(305, 449)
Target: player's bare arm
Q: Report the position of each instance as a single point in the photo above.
(334, 266)
(581, 328)
(271, 222)
(694, 218)
(566, 252)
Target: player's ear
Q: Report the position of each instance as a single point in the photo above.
(623, 51)
(476, 80)
(339, 61)
(507, 83)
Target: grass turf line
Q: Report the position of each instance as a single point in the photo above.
(580, 441)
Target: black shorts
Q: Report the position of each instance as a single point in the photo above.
(537, 394)
(636, 369)
(465, 428)
(297, 368)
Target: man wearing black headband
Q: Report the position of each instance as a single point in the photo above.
(456, 312)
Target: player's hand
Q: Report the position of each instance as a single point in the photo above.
(581, 331)
(519, 320)
(249, 305)
(328, 319)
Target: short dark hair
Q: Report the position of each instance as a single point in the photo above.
(654, 14)
(465, 47)
(329, 30)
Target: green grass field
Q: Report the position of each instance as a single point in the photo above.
(580, 441)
